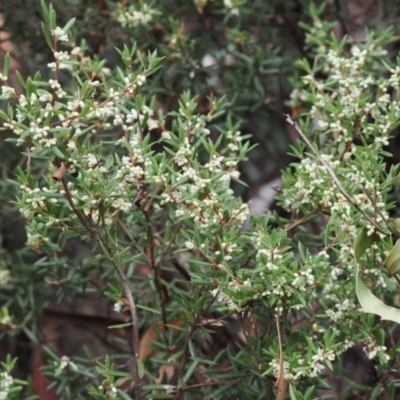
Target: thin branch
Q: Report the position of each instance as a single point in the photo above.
(125, 229)
(281, 383)
(161, 288)
(81, 217)
(288, 227)
(193, 327)
(371, 201)
(345, 228)
(135, 322)
(332, 174)
(127, 290)
(150, 202)
(199, 385)
(166, 250)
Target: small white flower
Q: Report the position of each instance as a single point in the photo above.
(118, 306)
(189, 244)
(60, 35)
(140, 79)
(166, 135)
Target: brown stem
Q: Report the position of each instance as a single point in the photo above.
(185, 356)
(204, 384)
(293, 225)
(166, 250)
(81, 217)
(346, 227)
(161, 289)
(281, 383)
(135, 322)
(128, 293)
(372, 201)
(150, 202)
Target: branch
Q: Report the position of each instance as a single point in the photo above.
(281, 383)
(332, 174)
(128, 293)
(81, 217)
(135, 322)
(161, 288)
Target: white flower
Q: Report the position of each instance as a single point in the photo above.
(189, 245)
(8, 92)
(166, 135)
(152, 124)
(60, 35)
(118, 306)
(140, 79)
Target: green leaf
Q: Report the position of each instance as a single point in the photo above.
(47, 36)
(368, 301)
(45, 11)
(362, 244)
(120, 326)
(106, 372)
(123, 395)
(3, 115)
(141, 368)
(147, 308)
(20, 79)
(57, 152)
(190, 371)
(392, 261)
(31, 335)
(377, 391)
(52, 21)
(6, 64)
(69, 24)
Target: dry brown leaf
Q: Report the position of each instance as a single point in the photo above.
(151, 335)
(167, 370)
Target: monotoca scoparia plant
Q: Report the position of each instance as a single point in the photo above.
(149, 189)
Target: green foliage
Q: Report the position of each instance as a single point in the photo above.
(134, 158)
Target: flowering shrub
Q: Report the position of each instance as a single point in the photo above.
(148, 190)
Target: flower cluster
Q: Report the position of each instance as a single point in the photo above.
(310, 369)
(6, 382)
(132, 16)
(150, 187)
(372, 349)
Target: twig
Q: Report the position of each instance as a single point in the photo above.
(198, 385)
(345, 228)
(214, 264)
(127, 290)
(288, 227)
(281, 383)
(135, 322)
(371, 201)
(25, 320)
(332, 174)
(161, 288)
(185, 356)
(166, 250)
(81, 217)
(125, 229)
(150, 202)
(29, 159)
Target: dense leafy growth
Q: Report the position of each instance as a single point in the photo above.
(129, 196)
